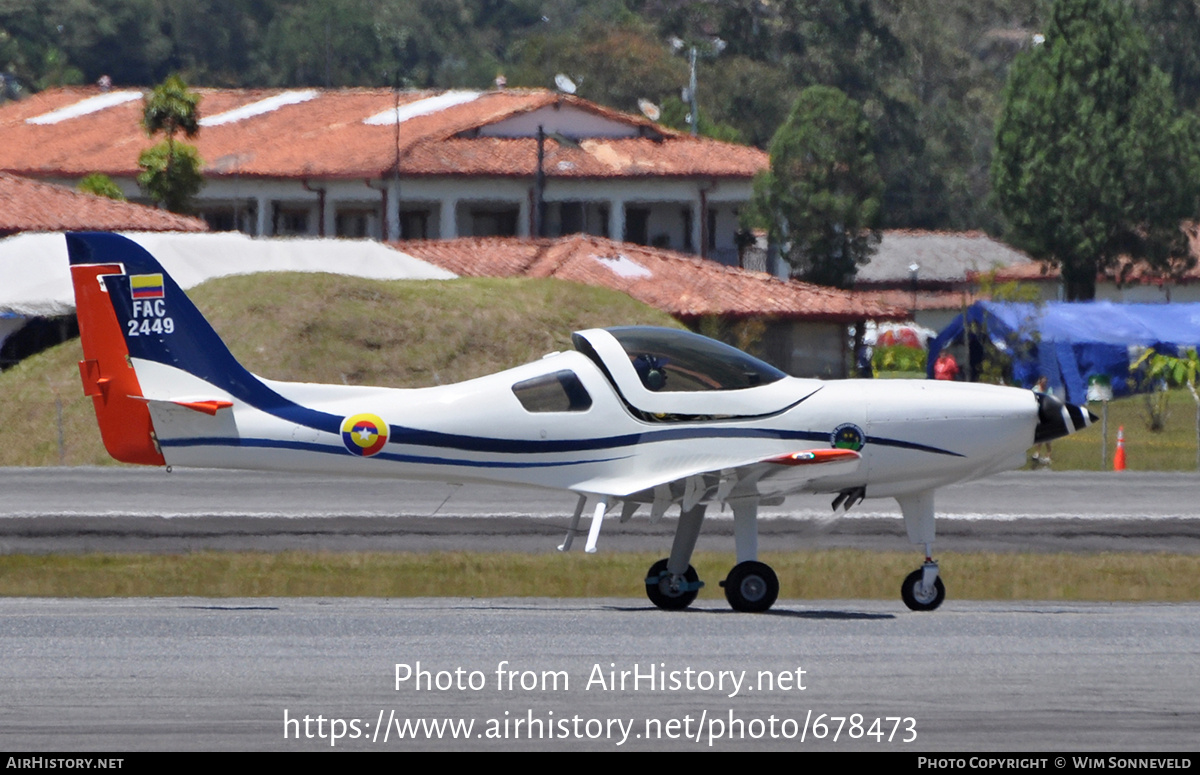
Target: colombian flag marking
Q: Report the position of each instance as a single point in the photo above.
(364, 434)
(146, 286)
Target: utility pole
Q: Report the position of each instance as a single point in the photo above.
(539, 186)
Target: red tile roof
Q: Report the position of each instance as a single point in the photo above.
(924, 300)
(324, 135)
(1125, 272)
(27, 205)
(684, 286)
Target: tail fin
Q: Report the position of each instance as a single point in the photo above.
(158, 322)
(129, 307)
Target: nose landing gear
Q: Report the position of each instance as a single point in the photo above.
(922, 589)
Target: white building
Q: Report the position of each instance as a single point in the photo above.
(387, 165)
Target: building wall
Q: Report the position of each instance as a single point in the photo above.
(660, 212)
(1147, 294)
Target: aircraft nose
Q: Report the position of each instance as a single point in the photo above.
(1057, 419)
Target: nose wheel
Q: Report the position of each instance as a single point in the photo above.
(751, 587)
(920, 595)
(671, 593)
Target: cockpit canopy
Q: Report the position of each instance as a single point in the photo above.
(665, 371)
(667, 359)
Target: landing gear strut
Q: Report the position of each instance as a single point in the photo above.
(672, 583)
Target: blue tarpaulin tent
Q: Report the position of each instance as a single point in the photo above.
(1072, 342)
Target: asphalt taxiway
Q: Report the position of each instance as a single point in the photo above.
(320, 674)
(191, 674)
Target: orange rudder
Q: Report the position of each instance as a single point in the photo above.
(108, 376)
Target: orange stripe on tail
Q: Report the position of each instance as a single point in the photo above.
(108, 377)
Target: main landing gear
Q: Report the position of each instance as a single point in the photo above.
(751, 587)
(669, 592)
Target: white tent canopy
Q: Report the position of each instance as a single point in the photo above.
(35, 280)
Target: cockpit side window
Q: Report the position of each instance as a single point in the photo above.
(558, 392)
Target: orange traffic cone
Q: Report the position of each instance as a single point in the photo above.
(1119, 455)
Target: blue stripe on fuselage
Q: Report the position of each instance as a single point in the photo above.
(392, 456)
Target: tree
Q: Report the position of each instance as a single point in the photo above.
(1092, 161)
(170, 170)
(101, 185)
(1160, 371)
(821, 197)
(171, 175)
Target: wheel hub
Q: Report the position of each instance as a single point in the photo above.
(753, 588)
(924, 593)
(670, 585)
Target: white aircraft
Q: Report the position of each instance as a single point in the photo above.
(636, 416)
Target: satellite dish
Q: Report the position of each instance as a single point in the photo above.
(649, 109)
(564, 84)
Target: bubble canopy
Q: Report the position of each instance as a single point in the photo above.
(689, 362)
(666, 370)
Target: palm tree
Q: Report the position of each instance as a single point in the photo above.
(171, 173)
(171, 107)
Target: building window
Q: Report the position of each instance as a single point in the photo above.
(220, 220)
(291, 222)
(494, 223)
(414, 224)
(355, 223)
(637, 222)
(571, 220)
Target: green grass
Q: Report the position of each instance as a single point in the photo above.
(329, 328)
(1171, 449)
(830, 574)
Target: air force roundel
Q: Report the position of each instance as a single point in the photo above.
(364, 434)
(848, 436)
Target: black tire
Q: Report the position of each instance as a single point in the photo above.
(908, 592)
(751, 587)
(660, 593)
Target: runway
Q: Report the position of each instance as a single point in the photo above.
(167, 674)
(505, 674)
(147, 510)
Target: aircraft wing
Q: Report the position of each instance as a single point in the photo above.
(764, 477)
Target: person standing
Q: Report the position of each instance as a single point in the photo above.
(945, 367)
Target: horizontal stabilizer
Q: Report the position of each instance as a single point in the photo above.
(208, 406)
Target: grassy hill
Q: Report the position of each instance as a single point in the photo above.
(328, 328)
